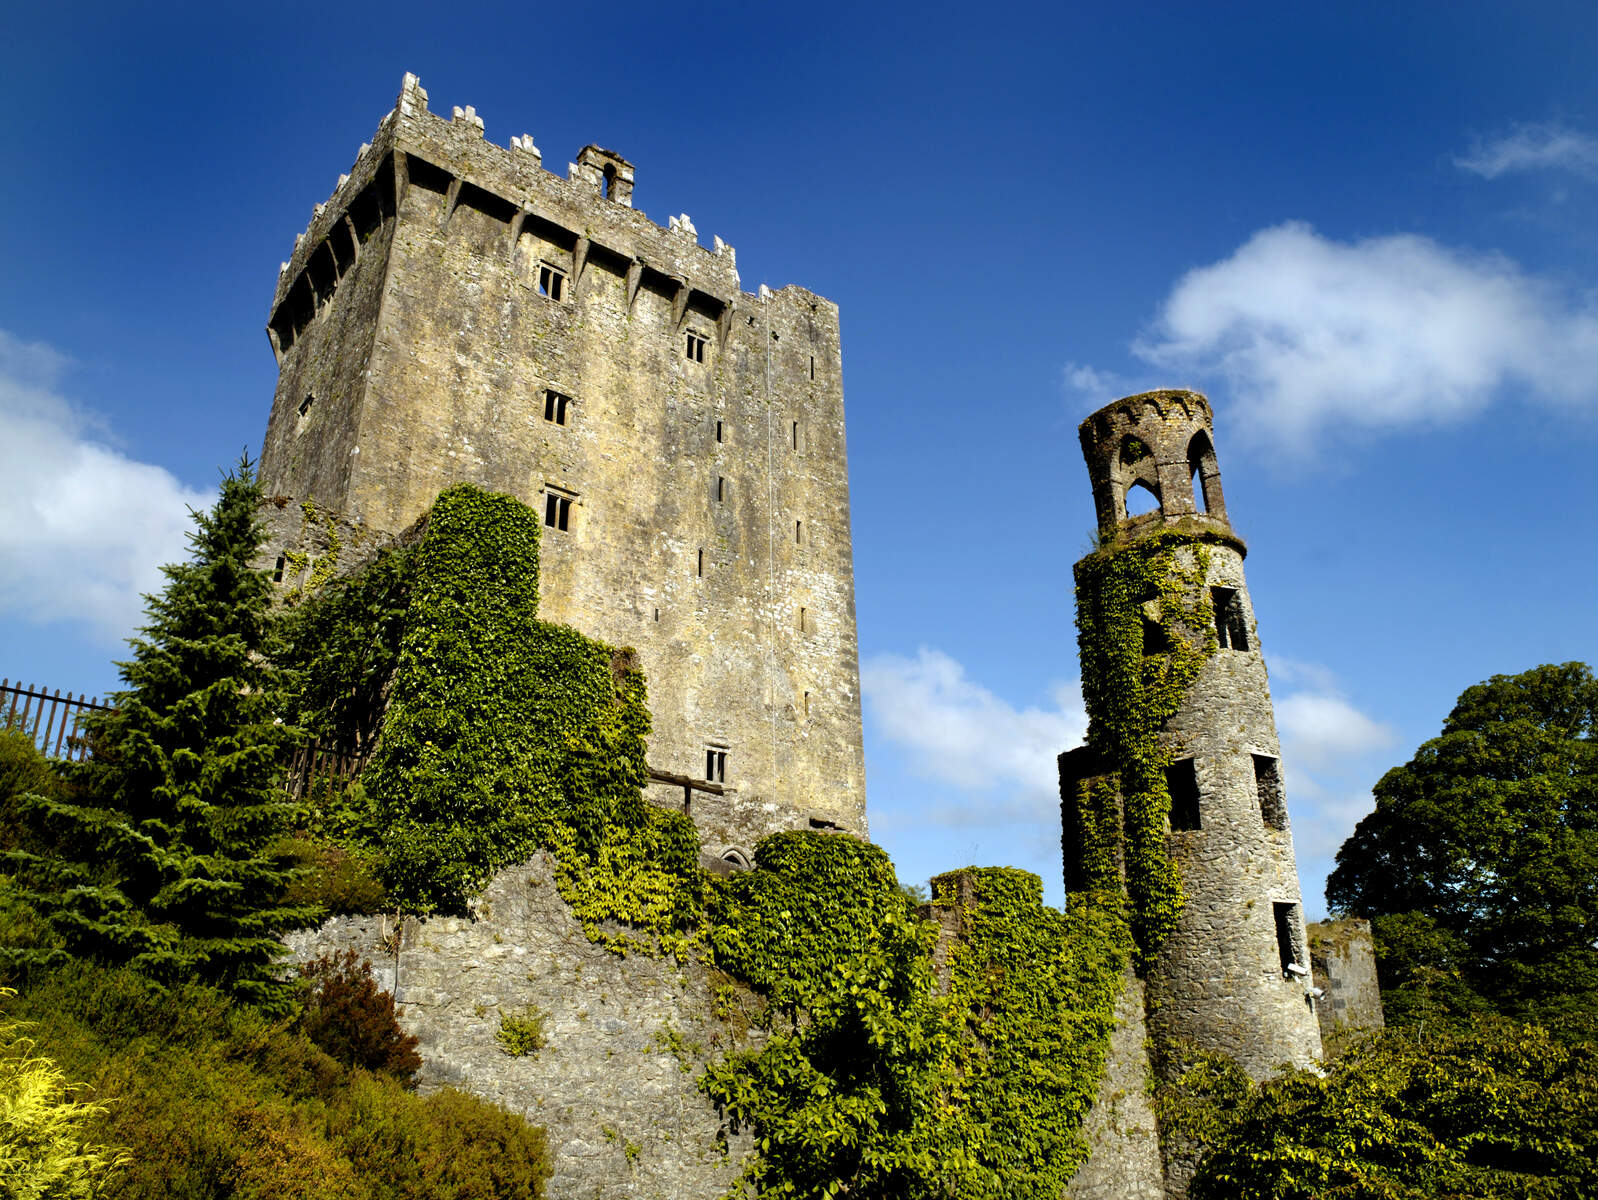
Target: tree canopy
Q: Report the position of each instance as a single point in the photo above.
(1479, 866)
(158, 856)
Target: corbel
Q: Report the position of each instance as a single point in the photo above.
(517, 224)
(635, 276)
(451, 199)
(355, 241)
(679, 303)
(402, 178)
(579, 260)
(724, 326)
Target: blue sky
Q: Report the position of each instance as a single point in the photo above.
(1365, 230)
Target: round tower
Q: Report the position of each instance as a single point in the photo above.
(1225, 961)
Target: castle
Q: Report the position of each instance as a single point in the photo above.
(458, 313)
(455, 312)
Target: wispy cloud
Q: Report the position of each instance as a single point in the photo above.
(960, 734)
(84, 529)
(1309, 337)
(1532, 147)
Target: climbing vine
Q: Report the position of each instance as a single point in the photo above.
(1145, 626)
(894, 1065)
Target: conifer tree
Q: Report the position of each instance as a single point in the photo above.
(161, 848)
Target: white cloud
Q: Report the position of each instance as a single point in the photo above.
(1320, 730)
(1532, 147)
(83, 528)
(1307, 334)
(960, 734)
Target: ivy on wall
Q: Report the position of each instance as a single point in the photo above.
(893, 1067)
(1145, 626)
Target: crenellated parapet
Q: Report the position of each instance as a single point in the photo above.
(589, 212)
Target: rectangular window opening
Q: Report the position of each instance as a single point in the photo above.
(1268, 783)
(1181, 780)
(807, 706)
(1231, 626)
(721, 488)
(715, 765)
(555, 407)
(277, 571)
(701, 570)
(796, 435)
(718, 431)
(1288, 934)
(557, 510)
(812, 366)
(804, 616)
(694, 346)
(551, 282)
(305, 404)
(798, 532)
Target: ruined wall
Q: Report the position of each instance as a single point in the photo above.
(700, 465)
(1343, 956)
(615, 1086)
(1125, 1162)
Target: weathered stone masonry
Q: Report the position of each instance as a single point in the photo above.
(455, 312)
(1234, 975)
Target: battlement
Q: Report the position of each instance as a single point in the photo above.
(1157, 447)
(589, 210)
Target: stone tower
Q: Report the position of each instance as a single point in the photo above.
(1230, 974)
(457, 313)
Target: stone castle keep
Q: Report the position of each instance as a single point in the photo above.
(458, 313)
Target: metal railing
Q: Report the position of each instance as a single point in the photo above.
(52, 720)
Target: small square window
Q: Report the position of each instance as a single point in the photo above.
(715, 764)
(555, 406)
(694, 346)
(551, 282)
(557, 510)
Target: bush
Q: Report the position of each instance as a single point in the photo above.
(522, 1033)
(347, 1015)
(332, 876)
(218, 1101)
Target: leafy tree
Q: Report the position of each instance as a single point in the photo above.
(1480, 863)
(160, 852)
(1490, 1109)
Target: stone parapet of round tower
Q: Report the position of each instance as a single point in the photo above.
(1159, 444)
(1232, 975)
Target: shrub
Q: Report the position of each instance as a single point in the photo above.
(351, 1018)
(45, 1150)
(522, 1033)
(332, 876)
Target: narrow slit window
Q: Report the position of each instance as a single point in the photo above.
(1181, 780)
(701, 568)
(1268, 783)
(721, 488)
(715, 764)
(557, 510)
(812, 366)
(804, 617)
(551, 282)
(807, 706)
(694, 346)
(718, 431)
(798, 532)
(277, 571)
(555, 407)
(1288, 948)
(1231, 625)
(796, 435)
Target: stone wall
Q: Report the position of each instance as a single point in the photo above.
(705, 494)
(1343, 956)
(1124, 1160)
(615, 1087)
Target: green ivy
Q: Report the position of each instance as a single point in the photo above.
(1145, 627)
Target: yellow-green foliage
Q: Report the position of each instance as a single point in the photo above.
(216, 1102)
(521, 1032)
(45, 1147)
(1131, 689)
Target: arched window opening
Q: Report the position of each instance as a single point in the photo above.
(1141, 500)
(609, 185)
(737, 858)
(1201, 466)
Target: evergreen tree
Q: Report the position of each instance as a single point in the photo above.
(161, 847)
